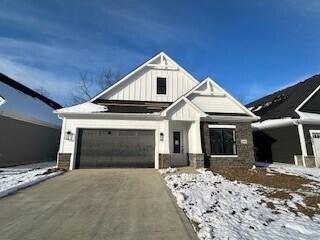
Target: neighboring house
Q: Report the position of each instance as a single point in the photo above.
(29, 131)
(289, 129)
(157, 116)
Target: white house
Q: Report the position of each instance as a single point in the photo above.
(158, 116)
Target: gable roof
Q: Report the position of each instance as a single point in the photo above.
(161, 55)
(188, 102)
(22, 88)
(208, 80)
(284, 103)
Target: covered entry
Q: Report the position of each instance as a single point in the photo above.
(103, 148)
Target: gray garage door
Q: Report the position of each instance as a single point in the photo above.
(102, 148)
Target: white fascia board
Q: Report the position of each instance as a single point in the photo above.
(20, 117)
(283, 122)
(221, 126)
(208, 79)
(306, 100)
(195, 88)
(228, 118)
(187, 101)
(307, 115)
(126, 77)
(181, 68)
(274, 123)
(111, 115)
(161, 54)
(232, 98)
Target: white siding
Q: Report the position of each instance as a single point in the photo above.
(142, 86)
(183, 111)
(219, 104)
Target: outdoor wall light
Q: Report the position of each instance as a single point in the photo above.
(69, 135)
(161, 136)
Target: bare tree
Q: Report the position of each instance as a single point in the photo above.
(89, 86)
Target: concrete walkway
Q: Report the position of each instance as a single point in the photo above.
(95, 204)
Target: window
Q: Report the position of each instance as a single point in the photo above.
(223, 141)
(161, 85)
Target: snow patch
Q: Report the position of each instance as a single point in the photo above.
(167, 170)
(224, 209)
(86, 107)
(309, 173)
(14, 178)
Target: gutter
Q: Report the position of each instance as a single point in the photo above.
(231, 118)
(284, 122)
(105, 115)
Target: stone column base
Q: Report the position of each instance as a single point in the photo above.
(196, 160)
(164, 160)
(309, 161)
(64, 161)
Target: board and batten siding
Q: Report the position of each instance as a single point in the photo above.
(218, 104)
(183, 111)
(142, 86)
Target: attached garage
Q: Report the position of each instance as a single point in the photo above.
(104, 148)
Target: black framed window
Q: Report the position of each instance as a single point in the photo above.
(161, 85)
(223, 141)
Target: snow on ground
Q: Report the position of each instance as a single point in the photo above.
(14, 178)
(309, 173)
(167, 170)
(224, 209)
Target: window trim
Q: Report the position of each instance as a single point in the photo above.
(233, 127)
(221, 126)
(166, 87)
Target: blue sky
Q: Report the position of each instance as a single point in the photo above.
(249, 47)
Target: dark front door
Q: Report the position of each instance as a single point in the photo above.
(177, 142)
(102, 148)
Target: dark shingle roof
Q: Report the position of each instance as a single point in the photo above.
(283, 103)
(16, 85)
(124, 106)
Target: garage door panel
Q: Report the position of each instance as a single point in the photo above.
(101, 148)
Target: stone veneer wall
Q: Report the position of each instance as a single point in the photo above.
(64, 161)
(195, 160)
(245, 154)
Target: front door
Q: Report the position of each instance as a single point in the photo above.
(177, 146)
(179, 158)
(315, 136)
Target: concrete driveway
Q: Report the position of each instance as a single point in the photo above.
(95, 204)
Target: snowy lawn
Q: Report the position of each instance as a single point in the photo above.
(14, 178)
(310, 173)
(224, 208)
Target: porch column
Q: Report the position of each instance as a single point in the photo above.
(166, 137)
(302, 143)
(164, 154)
(196, 157)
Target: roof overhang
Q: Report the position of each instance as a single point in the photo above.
(107, 115)
(226, 118)
(283, 122)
